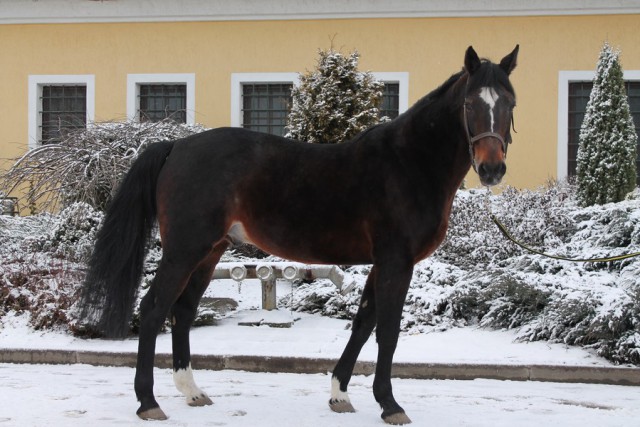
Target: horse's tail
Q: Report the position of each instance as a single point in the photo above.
(115, 267)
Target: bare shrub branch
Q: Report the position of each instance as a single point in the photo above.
(87, 164)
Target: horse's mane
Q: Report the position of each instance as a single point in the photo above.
(488, 74)
(419, 105)
(434, 95)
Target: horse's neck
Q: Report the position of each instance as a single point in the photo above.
(437, 139)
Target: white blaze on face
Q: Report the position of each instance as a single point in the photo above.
(490, 97)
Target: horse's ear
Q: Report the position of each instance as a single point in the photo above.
(471, 60)
(509, 62)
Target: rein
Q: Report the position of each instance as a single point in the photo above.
(505, 232)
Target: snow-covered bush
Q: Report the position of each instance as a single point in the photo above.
(606, 162)
(335, 101)
(33, 281)
(508, 302)
(87, 164)
(73, 236)
(539, 218)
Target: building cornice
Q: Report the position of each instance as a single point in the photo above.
(86, 11)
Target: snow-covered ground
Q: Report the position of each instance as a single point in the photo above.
(80, 395)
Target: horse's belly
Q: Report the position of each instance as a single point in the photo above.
(303, 245)
(237, 234)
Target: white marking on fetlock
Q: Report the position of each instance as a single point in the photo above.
(339, 401)
(183, 379)
(338, 395)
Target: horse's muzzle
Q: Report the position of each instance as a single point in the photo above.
(489, 156)
(491, 173)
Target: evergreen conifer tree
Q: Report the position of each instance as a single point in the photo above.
(335, 101)
(606, 162)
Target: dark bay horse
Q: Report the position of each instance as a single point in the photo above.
(383, 198)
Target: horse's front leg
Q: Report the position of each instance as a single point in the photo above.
(394, 276)
(363, 324)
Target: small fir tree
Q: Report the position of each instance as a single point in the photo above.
(335, 101)
(606, 162)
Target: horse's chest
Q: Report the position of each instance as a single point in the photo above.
(434, 234)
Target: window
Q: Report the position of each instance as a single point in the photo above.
(261, 101)
(390, 106)
(161, 101)
(573, 96)
(579, 93)
(59, 104)
(395, 94)
(63, 108)
(155, 97)
(265, 107)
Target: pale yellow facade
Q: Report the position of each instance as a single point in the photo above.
(428, 49)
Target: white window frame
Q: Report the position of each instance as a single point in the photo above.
(133, 92)
(37, 81)
(402, 78)
(564, 78)
(239, 79)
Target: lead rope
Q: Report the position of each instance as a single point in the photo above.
(505, 232)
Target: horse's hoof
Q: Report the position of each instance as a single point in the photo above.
(397, 419)
(341, 406)
(202, 400)
(153, 414)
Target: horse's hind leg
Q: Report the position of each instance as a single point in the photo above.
(183, 313)
(363, 324)
(154, 308)
(178, 263)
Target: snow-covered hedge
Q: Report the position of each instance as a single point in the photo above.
(35, 276)
(476, 278)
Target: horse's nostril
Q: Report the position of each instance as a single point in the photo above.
(491, 173)
(493, 169)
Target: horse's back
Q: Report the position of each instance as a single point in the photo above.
(283, 195)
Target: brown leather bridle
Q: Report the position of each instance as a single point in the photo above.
(473, 139)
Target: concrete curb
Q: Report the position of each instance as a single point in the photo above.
(300, 365)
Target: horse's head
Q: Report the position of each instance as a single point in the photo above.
(488, 114)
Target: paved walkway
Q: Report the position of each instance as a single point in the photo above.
(306, 365)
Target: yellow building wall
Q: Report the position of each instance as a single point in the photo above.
(429, 49)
